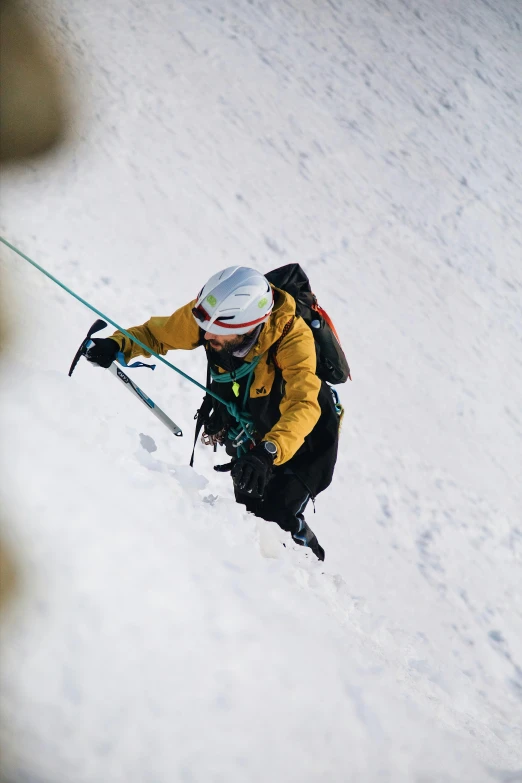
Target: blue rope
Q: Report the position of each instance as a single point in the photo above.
(230, 406)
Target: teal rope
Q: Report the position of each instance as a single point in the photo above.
(229, 377)
(230, 406)
(247, 370)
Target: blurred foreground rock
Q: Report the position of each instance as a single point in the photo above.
(32, 120)
(32, 106)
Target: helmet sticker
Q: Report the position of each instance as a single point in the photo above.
(262, 302)
(211, 300)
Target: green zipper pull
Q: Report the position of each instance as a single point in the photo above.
(235, 388)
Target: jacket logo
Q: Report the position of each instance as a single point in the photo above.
(262, 390)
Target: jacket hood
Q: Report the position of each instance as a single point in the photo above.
(284, 310)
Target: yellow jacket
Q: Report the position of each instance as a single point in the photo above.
(299, 407)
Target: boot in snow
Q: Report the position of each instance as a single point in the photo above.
(306, 537)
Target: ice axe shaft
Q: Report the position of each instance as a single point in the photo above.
(124, 378)
(145, 399)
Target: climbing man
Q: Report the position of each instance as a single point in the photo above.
(262, 357)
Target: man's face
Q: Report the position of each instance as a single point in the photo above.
(220, 342)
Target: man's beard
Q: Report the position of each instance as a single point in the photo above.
(222, 355)
(230, 344)
(231, 354)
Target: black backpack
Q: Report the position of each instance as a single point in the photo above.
(331, 361)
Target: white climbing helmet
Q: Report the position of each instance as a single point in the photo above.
(234, 301)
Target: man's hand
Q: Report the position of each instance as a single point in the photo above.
(252, 471)
(103, 352)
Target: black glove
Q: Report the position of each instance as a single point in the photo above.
(103, 352)
(252, 471)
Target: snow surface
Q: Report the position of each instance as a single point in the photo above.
(161, 634)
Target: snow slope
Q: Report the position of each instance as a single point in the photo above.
(161, 634)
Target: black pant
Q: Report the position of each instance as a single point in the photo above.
(284, 500)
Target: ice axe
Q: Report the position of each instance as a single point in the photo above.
(124, 378)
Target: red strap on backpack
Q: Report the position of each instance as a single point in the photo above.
(329, 321)
(327, 318)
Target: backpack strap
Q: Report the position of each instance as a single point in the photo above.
(275, 347)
